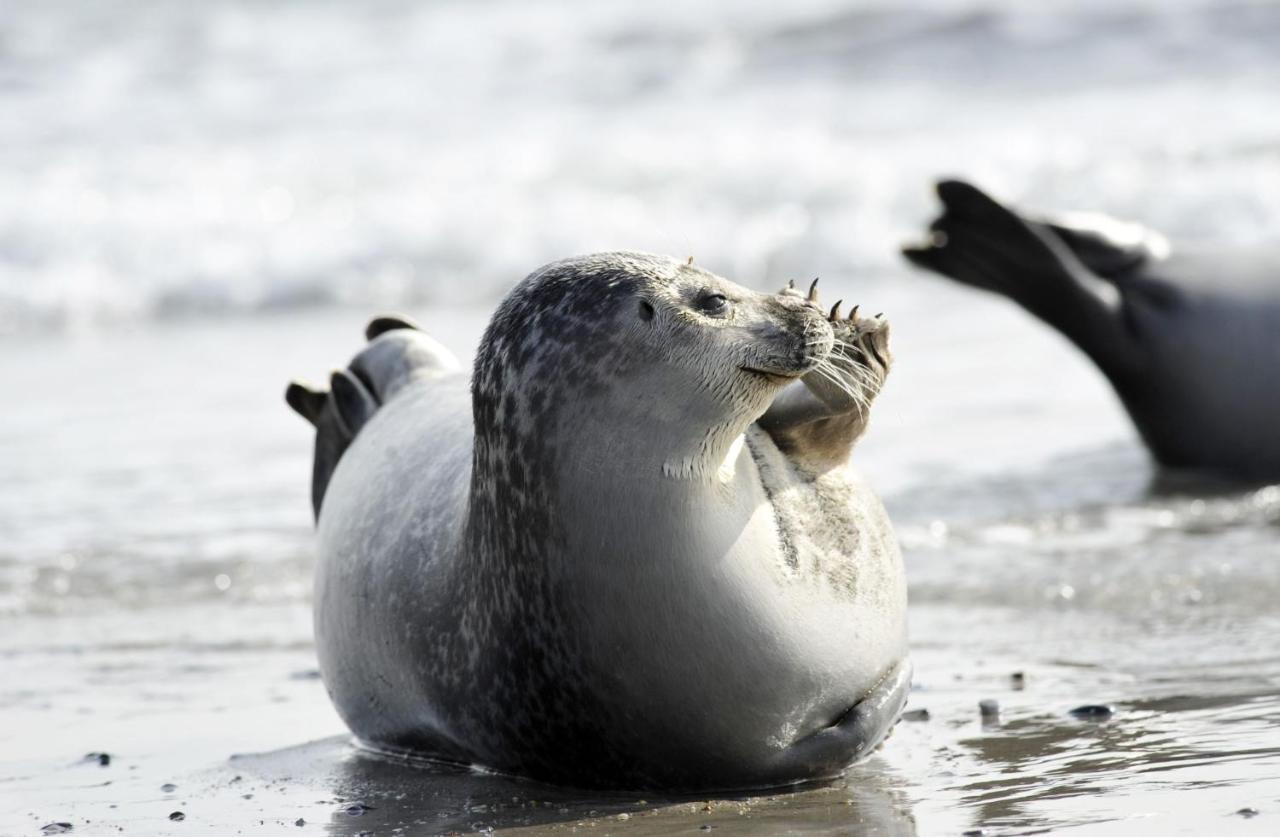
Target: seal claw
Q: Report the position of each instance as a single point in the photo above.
(835, 311)
(813, 291)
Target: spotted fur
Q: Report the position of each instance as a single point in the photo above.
(548, 589)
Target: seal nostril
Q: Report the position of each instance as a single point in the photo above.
(646, 311)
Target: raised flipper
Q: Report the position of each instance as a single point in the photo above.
(818, 419)
(388, 322)
(354, 404)
(979, 242)
(1111, 248)
(305, 401)
(397, 353)
(317, 407)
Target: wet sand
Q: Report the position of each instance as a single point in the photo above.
(154, 583)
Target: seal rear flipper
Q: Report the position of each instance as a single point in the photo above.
(388, 322)
(1109, 247)
(305, 401)
(353, 402)
(977, 241)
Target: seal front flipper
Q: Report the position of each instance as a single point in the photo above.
(818, 419)
(856, 734)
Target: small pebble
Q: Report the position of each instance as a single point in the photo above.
(168, 787)
(357, 809)
(974, 832)
(177, 816)
(989, 708)
(1018, 681)
(1092, 712)
(56, 828)
(103, 759)
(705, 827)
(1247, 813)
(300, 822)
(916, 715)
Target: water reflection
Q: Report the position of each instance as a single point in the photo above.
(372, 793)
(1024, 770)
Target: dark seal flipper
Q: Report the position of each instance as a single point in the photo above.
(396, 352)
(305, 401)
(332, 438)
(379, 326)
(981, 243)
(354, 404)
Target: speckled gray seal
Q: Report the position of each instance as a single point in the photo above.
(631, 554)
(1189, 340)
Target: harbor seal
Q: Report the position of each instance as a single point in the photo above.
(630, 553)
(1189, 341)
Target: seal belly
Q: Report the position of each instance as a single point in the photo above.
(738, 635)
(388, 536)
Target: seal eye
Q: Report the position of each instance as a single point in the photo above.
(713, 305)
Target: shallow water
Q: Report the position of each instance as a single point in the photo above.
(201, 201)
(155, 574)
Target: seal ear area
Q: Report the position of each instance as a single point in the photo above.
(305, 401)
(352, 402)
(379, 326)
(645, 310)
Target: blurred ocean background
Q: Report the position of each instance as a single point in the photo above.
(167, 159)
(199, 201)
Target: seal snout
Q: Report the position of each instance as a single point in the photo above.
(791, 338)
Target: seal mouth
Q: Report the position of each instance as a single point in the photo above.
(773, 377)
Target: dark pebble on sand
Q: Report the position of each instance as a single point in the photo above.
(916, 715)
(973, 832)
(989, 708)
(1247, 813)
(306, 674)
(168, 787)
(56, 828)
(1018, 680)
(103, 759)
(357, 809)
(177, 816)
(299, 822)
(1092, 712)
